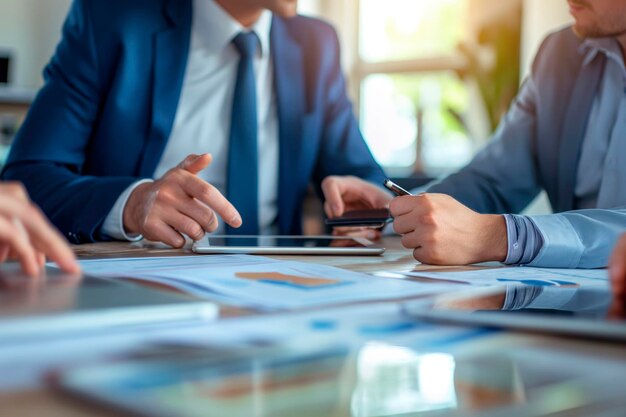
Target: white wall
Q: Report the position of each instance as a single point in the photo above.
(31, 29)
(540, 18)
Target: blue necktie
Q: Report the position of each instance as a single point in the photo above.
(243, 155)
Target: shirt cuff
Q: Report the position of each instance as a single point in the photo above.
(519, 297)
(553, 298)
(524, 240)
(563, 247)
(113, 225)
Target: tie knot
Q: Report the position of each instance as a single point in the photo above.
(246, 44)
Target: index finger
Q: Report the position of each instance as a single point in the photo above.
(41, 233)
(400, 206)
(333, 195)
(196, 163)
(15, 190)
(209, 195)
(47, 240)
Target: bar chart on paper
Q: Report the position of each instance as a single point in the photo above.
(293, 281)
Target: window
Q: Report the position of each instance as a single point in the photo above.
(410, 29)
(411, 122)
(433, 78)
(411, 96)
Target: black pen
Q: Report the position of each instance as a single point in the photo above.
(395, 188)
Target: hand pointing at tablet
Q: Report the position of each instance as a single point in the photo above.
(179, 203)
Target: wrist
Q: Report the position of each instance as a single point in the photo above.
(130, 223)
(496, 241)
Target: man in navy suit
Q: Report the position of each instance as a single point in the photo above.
(249, 96)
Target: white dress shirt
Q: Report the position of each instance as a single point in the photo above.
(203, 118)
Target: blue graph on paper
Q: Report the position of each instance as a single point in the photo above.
(540, 283)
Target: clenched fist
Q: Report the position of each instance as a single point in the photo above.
(442, 231)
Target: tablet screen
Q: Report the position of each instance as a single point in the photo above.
(283, 242)
(286, 245)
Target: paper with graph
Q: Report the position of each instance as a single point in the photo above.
(544, 277)
(260, 281)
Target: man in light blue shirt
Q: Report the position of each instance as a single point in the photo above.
(565, 134)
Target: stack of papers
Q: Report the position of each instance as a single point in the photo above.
(261, 282)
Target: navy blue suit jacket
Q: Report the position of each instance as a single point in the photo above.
(106, 111)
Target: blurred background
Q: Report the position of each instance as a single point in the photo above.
(430, 79)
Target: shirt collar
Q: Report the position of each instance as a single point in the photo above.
(608, 46)
(215, 29)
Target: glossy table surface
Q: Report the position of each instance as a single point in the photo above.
(396, 259)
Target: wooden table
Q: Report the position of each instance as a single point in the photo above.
(46, 403)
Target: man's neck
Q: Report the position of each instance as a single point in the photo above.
(246, 15)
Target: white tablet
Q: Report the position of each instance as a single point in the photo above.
(287, 245)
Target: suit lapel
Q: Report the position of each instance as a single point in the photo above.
(171, 50)
(576, 121)
(291, 106)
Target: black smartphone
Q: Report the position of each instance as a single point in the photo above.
(373, 218)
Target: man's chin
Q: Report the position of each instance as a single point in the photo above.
(580, 32)
(591, 32)
(287, 9)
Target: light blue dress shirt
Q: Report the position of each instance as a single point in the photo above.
(592, 301)
(599, 179)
